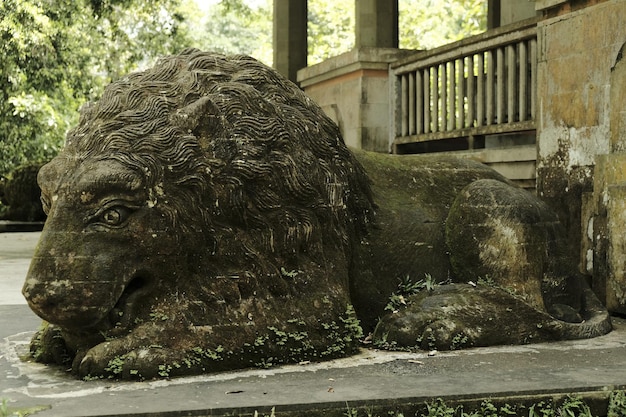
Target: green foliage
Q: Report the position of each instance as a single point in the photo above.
(271, 414)
(292, 343)
(459, 341)
(116, 365)
(617, 404)
(438, 408)
(6, 411)
(330, 28)
(406, 288)
(343, 336)
(235, 27)
(423, 24)
(426, 24)
(57, 55)
(488, 409)
(487, 281)
(35, 89)
(159, 316)
(572, 407)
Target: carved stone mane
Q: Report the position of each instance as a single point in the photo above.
(212, 131)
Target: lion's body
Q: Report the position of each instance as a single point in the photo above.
(239, 226)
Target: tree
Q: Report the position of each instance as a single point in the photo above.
(424, 24)
(36, 93)
(57, 54)
(427, 24)
(236, 27)
(330, 29)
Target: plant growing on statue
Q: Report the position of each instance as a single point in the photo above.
(408, 287)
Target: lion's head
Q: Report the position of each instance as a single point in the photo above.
(202, 167)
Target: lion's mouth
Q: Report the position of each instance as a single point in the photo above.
(122, 313)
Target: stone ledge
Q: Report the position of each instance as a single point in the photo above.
(365, 58)
(377, 381)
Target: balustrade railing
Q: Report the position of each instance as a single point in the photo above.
(479, 86)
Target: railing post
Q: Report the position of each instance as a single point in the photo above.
(511, 88)
(419, 101)
(444, 96)
(460, 88)
(435, 98)
(533, 77)
(426, 75)
(452, 96)
(471, 93)
(490, 87)
(405, 104)
(411, 106)
(480, 86)
(500, 86)
(523, 82)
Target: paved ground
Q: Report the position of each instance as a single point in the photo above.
(16, 250)
(377, 382)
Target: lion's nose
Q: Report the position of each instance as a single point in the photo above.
(40, 299)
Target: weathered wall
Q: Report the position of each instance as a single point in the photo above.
(608, 219)
(578, 48)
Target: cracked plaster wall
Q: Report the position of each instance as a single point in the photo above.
(577, 51)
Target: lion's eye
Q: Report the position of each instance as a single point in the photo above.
(114, 216)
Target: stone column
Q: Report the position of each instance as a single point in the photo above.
(608, 226)
(376, 23)
(290, 37)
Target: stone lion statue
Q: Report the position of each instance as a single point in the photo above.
(205, 215)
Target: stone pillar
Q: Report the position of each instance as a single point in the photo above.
(290, 37)
(493, 14)
(609, 222)
(376, 23)
(353, 90)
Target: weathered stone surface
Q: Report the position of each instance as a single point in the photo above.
(457, 316)
(576, 120)
(608, 231)
(206, 215)
(607, 220)
(519, 244)
(457, 221)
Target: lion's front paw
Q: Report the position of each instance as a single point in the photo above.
(48, 346)
(113, 360)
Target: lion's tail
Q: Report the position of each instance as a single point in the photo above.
(597, 321)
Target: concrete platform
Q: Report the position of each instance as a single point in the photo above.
(373, 382)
